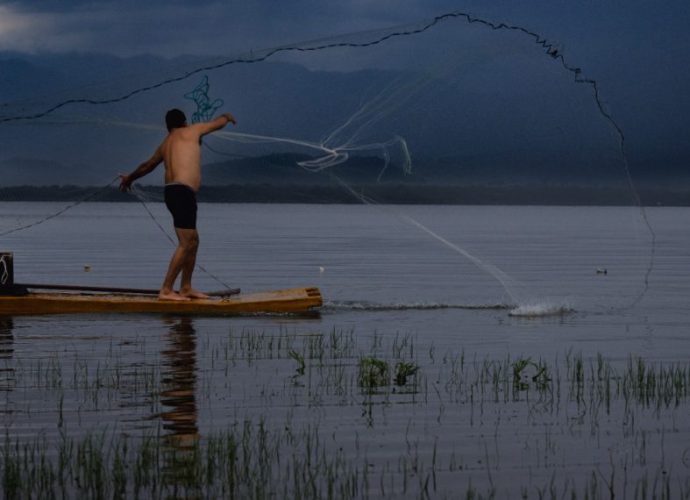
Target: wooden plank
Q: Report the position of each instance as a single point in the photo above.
(294, 300)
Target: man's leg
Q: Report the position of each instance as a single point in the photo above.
(186, 289)
(188, 241)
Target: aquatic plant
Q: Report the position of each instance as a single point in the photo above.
(539, 374)
(299, 359)
(373, 373)
(279, 439)
(404, 370)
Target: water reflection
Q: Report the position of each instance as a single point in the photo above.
(177, 396)
(7, 380)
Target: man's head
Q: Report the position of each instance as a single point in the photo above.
(175, 119)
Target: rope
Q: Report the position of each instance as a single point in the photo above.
(548, 47)
(141, 197)
(94, 194)
(88, 197)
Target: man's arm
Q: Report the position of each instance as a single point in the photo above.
(141, 170)
(215, 124)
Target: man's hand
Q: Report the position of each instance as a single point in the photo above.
(125, 183)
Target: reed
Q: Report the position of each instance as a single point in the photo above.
(311, 412)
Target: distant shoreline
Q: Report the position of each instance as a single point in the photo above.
(411, 194)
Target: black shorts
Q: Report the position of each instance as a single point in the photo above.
(181, 201)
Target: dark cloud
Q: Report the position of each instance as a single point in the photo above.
(129, 27)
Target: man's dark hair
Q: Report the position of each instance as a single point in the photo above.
(175, 119)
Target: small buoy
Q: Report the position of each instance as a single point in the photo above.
(321, 269)
(601, 271)
(87, 268)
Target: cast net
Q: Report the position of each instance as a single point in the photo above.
(450, 110)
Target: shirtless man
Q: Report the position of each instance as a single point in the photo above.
(180, 152)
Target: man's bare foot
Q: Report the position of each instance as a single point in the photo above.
(172, 296)
(191, 293)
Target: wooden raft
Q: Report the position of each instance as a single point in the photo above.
(293, 300)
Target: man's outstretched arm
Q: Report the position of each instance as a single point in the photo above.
(215, 124)
(143, 169)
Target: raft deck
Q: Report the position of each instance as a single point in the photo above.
(293, 300)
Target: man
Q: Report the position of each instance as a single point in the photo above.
(180, 152)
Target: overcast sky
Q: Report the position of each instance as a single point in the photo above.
(207, 27)
(126, 27)
(641, 37)
(636, 49)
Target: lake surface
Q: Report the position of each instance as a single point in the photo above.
(548, 353)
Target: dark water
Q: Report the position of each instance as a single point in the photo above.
(536, 370)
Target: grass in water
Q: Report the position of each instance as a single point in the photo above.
(228, 419)
(373, 373)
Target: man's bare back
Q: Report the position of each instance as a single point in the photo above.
(181, 151)
(182, 157)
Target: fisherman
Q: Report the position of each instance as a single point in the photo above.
(180, 152)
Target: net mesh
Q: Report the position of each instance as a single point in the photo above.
(458, 108)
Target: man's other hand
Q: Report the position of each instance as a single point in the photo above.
(125, 183)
